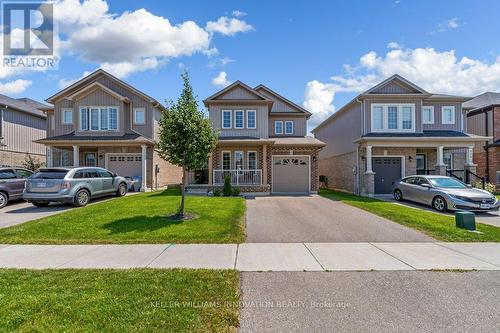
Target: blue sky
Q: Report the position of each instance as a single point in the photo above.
(319, 54)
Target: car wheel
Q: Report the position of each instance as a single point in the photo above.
(4, 199)
(398, 196)
(122, 190)
(40, 203)
(82, 198)
(439, 204)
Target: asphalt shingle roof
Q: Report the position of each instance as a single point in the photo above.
(424, 134)
(23, 104)
(483, 100)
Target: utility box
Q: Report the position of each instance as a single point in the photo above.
(465, 220)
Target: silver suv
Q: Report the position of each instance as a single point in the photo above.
(72, 185)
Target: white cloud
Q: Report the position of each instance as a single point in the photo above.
(220, 62)
(124, 69)
(393, 45)
(238, 13)
(318, 99)
(450, 24)
(63, 83)
(14, 87)
(221, 80)
(228, 26)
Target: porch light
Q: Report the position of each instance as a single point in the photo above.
(410, 158)
(363, 158)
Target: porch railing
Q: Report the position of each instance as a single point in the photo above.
(426, 172)
(458, 174)
(238, 177)
(469, 176)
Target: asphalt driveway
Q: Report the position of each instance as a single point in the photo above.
(317, 219)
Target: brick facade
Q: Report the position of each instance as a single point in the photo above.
(339, 171)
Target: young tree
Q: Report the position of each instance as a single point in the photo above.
(186, 136)
(31, 163)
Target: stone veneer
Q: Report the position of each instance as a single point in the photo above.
(12, 158)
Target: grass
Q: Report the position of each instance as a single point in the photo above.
(438, 226)
(142, 300)
(140, 218)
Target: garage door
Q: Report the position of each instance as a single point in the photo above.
(125, 164)
(290, 174)
(387, 170)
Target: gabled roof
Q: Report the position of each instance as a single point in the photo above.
(24, 105)
(258, 96)
(127, 137)
(283, 99)
(93, 86)
(398, 79)
(484, 100)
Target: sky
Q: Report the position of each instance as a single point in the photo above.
(319, 54)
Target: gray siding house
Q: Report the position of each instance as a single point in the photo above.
(393, 130)
(22, 120)
(262, 145)
(103, 121)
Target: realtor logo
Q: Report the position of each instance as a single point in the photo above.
(28, 34)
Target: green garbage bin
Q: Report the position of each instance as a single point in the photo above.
(465, 220)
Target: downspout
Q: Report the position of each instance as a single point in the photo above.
(357, 176)
(487, 145)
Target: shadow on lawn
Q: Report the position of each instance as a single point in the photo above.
(140, 224)
(170, 192)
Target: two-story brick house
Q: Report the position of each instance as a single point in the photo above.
(263, 144)
(103, 121)
(483, 118)
(393, 130)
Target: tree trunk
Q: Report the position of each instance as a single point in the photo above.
(183, 192)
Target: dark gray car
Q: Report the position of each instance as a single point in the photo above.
(12, 184)
(72, 185)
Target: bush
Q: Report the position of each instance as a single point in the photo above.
(236, 191)
(31, 163)
(227, 190)
(487, 186)
(217, 192)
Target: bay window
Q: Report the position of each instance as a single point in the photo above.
(95, 118)
(393, 117)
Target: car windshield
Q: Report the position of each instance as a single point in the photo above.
(52, 174)
(447, 183)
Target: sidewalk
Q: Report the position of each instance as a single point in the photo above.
(259, 256)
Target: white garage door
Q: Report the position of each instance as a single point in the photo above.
(125, 164)
(290, 174)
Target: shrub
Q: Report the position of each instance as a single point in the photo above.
(227, 190)
(31, 163)
(487, 186)
(216, 192)
(236, 191)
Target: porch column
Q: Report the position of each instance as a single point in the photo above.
(210, 170)
(440, 166)
(76, 156)
(369, 176)
(469, 165)
(50, 157)
(143, 167)
(264, 165)
(369, 159)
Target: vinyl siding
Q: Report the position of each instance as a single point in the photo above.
(394, 88)
(299, 125)
(215, 114)
(279, 105)
(438, 125)
(19, 131)
(238, 93)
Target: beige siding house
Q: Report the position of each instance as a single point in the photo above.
(22, 120)
(262, 146)
(102, 121)
(393, 130)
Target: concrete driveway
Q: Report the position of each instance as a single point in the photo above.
(317, 219)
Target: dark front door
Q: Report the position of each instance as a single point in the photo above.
(387, 170)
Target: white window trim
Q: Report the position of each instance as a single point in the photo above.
(275, 123)
(445, 107)
(230, 119)
(497, 177)
(242, 119)
(242, 159)
(256, 159)
(385, 118)
(255, 117)
(289, 122)
(99, 117)
(135, 119)
(63, 112)
(424, 108)
(222, 159)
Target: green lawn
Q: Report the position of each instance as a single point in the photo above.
(143, 300)
(436, 225)
(140, 218)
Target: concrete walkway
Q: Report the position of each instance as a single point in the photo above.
(259, 256)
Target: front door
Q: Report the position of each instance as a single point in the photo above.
(90, 159)
(421, 164)
(387, 170)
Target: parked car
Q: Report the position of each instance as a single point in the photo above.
(12, 184)
(72, 185)
(444, 193)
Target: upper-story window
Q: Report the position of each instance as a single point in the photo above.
(251, 119)
(448, 115)
(139, 116)
(393, 118)
(288, 127)
(278, 127)
(99, 118)
(226, 118)
(239, 119)
(67, 116)
(427, 115)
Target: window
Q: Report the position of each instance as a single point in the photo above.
(448, 115)
(238, 160)
(239, 119)
(226, 160)
(410, 180)
(289, 127)
(21, 173)
(278, 127)
(67, 116)
(498, 177)
(427, 115)
(252, 160)
(448, 160)
(251, 119)
(7, 174)
(421, 165)
(105, 174)
(139, 116)
(422, 180)
(99, 118)
(393, 117)
(226, 118)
